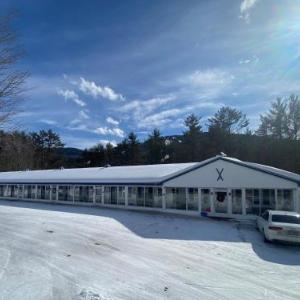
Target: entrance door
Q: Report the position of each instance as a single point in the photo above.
(221, 201)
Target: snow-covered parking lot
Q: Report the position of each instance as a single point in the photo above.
(66, 252)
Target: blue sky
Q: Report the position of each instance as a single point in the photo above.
(100, 69)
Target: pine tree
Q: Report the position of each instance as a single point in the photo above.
(155, 147)
(191, 148)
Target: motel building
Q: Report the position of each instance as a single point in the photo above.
(220, 186)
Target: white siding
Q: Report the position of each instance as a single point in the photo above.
(234, 176)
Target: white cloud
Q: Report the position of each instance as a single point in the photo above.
(140, 109)
(112, 121)
(159, 119)
(71, 95)
(211, 78)
(110, 131)
(48, 122)
(90, 88)
(244, 61)
(245, 8)
(84, 115)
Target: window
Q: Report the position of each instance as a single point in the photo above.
(285, 200)
(84, 194)
(140, 200)
(192, 200)
(252, 202)
(121, 195)
(65, 193)
(113, 195)
(132, 196)
(286, 219)
(237, 201)
(149, 196)
(107, 195)
(53, 192)
(2, 189)
(176, 198)
(98, 194)
(205, 200)
(157, 197)
(268, 200)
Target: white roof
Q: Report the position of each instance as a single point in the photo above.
(121, 174)
(142, 174)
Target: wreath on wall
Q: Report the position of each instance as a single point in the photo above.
(221, 197)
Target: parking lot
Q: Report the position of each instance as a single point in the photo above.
(71, 252)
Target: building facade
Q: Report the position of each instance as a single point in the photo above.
(220, 187)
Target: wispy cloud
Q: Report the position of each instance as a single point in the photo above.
(71, 95)
(159, 119)
(245, 8)
(112, 121)
(140, 108)
(48, 122)
(96, 91)
(83, 114)
(210, 78)
(110, 131)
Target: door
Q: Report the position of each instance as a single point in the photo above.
(221, 201)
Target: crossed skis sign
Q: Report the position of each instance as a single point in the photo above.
(220, 173)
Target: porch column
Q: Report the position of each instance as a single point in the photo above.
(23, 192)
(186, 198)
(56, 193)
(94, 194)
(102, 194)
(244, 211)
(36, 191)
(276, 198)
(211, 200)
(73, 198)
(199, 201)
(229, 198)
(126, 195)
(163, 197)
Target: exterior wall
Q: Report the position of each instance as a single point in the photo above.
(223, 174)
(194, 193)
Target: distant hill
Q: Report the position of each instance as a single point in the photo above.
(70, 153)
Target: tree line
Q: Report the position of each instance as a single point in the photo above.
(276, 142)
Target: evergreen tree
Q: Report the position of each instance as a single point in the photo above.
(46, 144)
(191, 148)
(293, 118)
(276, 119)
(134, 151)
(228, 120)
(155, 148)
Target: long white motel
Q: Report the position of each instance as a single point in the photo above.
(220, 186)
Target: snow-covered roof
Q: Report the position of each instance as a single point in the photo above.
(142, 174)
(121, 174)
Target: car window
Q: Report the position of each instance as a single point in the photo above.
(265, 215)
(286, 219)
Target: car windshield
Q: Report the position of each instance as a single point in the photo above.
(286, 219)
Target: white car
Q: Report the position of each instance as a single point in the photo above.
(278, 225)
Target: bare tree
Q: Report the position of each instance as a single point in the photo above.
(11, 79)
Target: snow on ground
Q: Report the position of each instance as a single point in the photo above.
(68, 252)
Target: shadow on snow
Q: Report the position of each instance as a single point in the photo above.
(152, 225)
